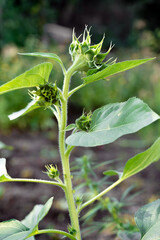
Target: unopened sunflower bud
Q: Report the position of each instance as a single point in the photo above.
(49, 92)
(46, 95)
(86, 56)
(78, 200)
(52, 171)
(84, 122)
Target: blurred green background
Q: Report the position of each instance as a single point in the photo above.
(36, 25)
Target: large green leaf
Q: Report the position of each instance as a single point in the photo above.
(31, 78)
(148, 221)
(4, 177)
(52, 56)
(142, 160)
(114, 69)
(30, 107)
(13, 230)
(16, 230)
(113, 121)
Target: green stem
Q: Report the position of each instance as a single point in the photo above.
(54, 232)
(65, 157)
(100, 195)
(35, 181)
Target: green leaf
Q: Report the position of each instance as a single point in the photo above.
(13, 230)
(16, 230)
(31, 238)
(30, 107)
(148, 221)
(114, 69)
(142, 160)
(4, 177)
(44, 55)
(113, 173)
(113, 121)
(37, 214)
(34, 77)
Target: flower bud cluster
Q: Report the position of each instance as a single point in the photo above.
(90, 54)
(84, 122)
(78, 200)
(52, 171)
(46, 94)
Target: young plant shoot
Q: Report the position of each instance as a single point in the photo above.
(103, 126)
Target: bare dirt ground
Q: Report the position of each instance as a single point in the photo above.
(31, 151)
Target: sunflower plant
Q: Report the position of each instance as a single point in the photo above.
(103, 126)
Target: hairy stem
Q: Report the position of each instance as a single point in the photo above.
(65, 157)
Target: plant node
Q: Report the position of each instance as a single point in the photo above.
(72, 230)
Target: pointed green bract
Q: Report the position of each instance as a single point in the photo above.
(52, 56)
(4, 177)
(114, 69)
(112, 121)
(36, 76)
(142, 160)
(16, 230)
(148, 221)
(30, 107)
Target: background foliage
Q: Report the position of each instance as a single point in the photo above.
(21, 18)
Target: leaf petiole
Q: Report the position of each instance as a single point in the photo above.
(75, 89)
(54, 231)
(36, 181)
(99, 195)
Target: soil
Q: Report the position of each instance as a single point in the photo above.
(32, 151)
